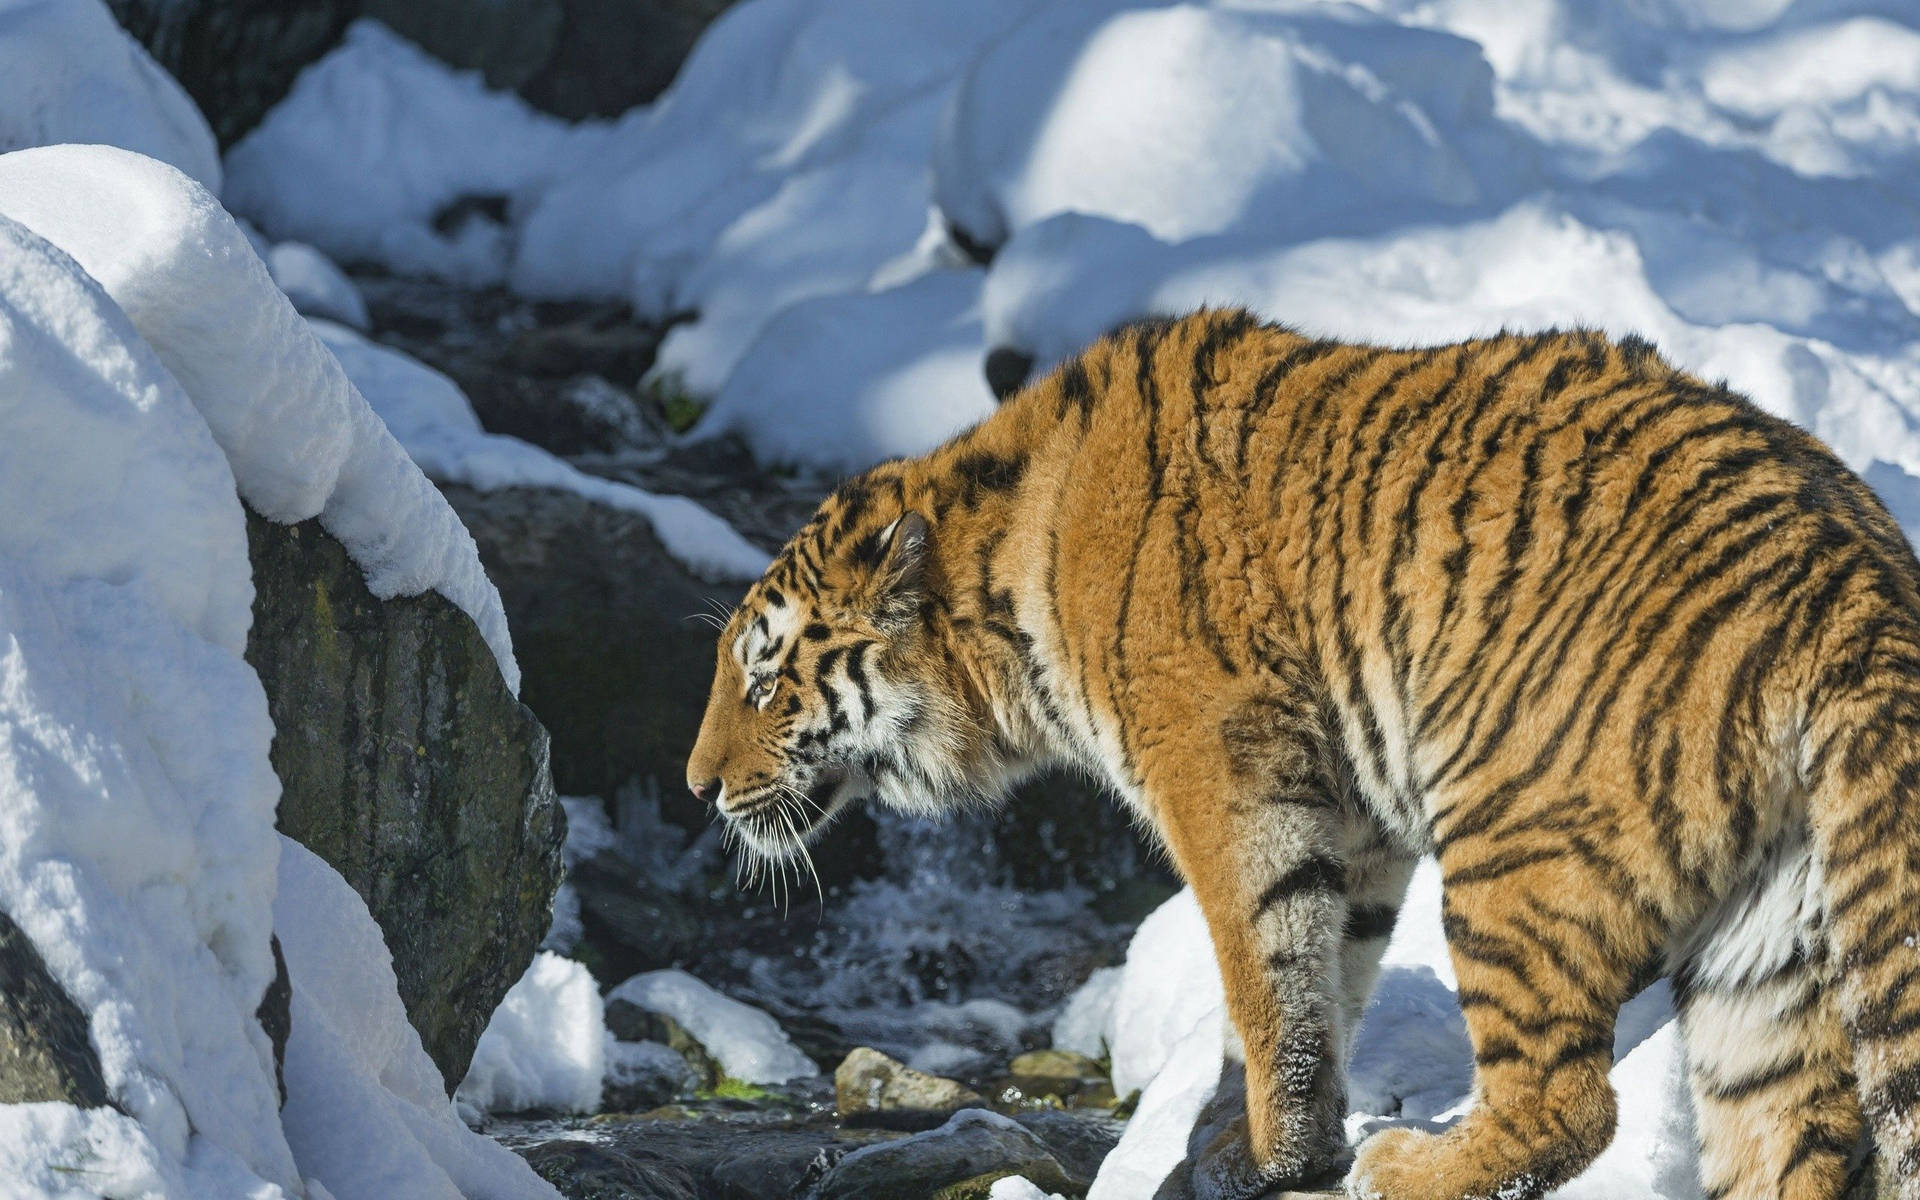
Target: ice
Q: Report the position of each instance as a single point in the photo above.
(69, 73)
(749, 1045)
(300, 440)
(367, 1114)
(430, 416)
(544, 1047)
(316, 287)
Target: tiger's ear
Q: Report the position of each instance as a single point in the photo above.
(899, 582)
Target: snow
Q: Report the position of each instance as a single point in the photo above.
(300, 439)
(432, 419)
(1084, 1019)
(367, 1114)
(69, 73)
(1740, 182)
(316, 287)
(129, 721)
(1014, 1187)
(748, 1044)
(544, 1047)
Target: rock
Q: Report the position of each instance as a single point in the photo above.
(973, 1146)
(275, 1015)
(1080, 1141)
(45, 1050)
(870, 1084)
(1061, 1076)
(614, 54)
(643, 1075)
(236, 58)
(1056, 1064)
(409, 767)
(591, 1171)
(506, 41)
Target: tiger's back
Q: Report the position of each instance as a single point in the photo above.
(1637, 662)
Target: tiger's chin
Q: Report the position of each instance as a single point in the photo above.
(779, 824)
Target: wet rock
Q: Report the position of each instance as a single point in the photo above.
(1056, 1064)
(869, 1086)
(407, 764)
(592, 1171)
(976, 1145)
(45, 1051)
(506, 41)
(1080, 1141)
(643, 1075)
(743, 1157)
(1057, 1076)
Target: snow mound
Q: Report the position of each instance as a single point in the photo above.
(316, 287)
(300, 440)
(430, 416)
(69, 73)
(1189, 120)
(367, 1114)
(544, 1047)
(377, 139)
(845, 381)
(130, 722)
(749, 1045)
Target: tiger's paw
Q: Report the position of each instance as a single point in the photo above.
(1396, 1164)
(1226, 1170)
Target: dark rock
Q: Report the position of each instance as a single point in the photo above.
(275, 1015)
(507, 41)
(45, 1051)
(629, 1022)
(976, 1143)
(1080, 1141)
(236, 58)
(644, 1076)
(409, 767)
(1007, 370)
(613, 54)
(593, 1171)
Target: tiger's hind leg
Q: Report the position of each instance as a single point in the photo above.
(1546, 946)
(1769, 1061)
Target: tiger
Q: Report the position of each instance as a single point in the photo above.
(1636, 662)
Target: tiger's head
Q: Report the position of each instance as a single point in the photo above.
(834, 685)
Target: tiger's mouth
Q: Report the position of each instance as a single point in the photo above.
(780, 821)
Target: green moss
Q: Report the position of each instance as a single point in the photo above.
(680, 407)
(729, 1088)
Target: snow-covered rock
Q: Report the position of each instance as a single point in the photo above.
(545, 1047)
(748, 1044)
(300, 439)
(152, 378)
(69, 73)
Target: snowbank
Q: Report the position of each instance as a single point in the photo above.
(430, 416)
(69, 73)
(300, 440)
(544, 1048)
(1740, 182)
(749, 1045)
(151, 376)
(316, 287)
(1167, 1030)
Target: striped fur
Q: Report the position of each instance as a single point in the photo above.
(1637, 662)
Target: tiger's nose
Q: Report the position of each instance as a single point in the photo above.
(706, 792)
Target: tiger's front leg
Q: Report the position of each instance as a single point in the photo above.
(1256, 830)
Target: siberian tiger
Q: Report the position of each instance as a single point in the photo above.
(1637, 662)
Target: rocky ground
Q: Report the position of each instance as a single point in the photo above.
(953, 944)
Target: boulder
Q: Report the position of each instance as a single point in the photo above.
(870, 1085)
(45, 1052)
(407, 764)
(591, 1171)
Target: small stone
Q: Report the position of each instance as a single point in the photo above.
(870, 1082)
